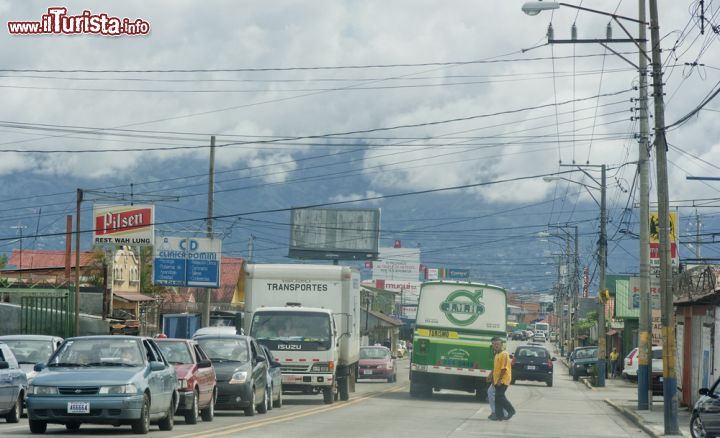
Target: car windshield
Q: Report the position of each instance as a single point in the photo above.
(531, 352)
(98, 352)
(225, 349)
(374, 353)
(176, 352)
(289, 326)
(30, 351)
(588, 353)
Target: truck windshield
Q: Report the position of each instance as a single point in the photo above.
(304, 327)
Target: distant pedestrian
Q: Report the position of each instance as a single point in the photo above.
(614, 363)
(502, 376)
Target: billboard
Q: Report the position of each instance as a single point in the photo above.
(123, 224)
(655, 241)
(397, 264)
(187, 261)
(334, 234)
(634, 292)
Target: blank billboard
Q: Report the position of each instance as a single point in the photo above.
(334, 234)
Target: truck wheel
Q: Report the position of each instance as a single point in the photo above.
(481, 394)
(345, 389)
(328, 395)
(414, 393)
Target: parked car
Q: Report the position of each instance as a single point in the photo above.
(571, 358)
(532, 363)
(274, 379)
(377, 363)
(630, 363)
(31, 349)
(13, 385)
(241, 370)
(518, 335)
(705, 417)
(104, 380)
(539, 337)
(553, 337)
(196, 378)
(584, 361)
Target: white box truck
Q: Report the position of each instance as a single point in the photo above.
(309, 317)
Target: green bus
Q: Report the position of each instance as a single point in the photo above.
(453, 328)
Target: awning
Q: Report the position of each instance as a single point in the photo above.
(611, 333)
(132, 297)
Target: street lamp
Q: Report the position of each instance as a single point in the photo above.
(670, 405)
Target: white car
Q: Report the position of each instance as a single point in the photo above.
(539, 337)
(630, 364)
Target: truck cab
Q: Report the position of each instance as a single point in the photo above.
(305, 341)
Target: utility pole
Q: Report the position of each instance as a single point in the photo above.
(644, 339)
(576, 291)
(602, 261)
(670, 404)
(79, 199)
(19, 228)
(251, 248)
(211, 192)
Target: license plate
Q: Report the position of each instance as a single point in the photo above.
(78, 408)
(531, 367)
(367, 371)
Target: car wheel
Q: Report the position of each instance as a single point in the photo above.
(168, 422)
(697, 427)
(270, 398)
(262, 407)
(279, 402)
(549, 382)
(37, 426)
(14, 415)
(344, 389)
(73, 427)
(328, 395)
(191, 416)
(141, 426)
(250, 410)
(209, 412)
(576, 376)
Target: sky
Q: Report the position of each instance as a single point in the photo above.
(324, 101)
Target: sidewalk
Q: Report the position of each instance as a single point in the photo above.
(622, 396)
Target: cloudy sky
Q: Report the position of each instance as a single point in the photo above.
(324, 101)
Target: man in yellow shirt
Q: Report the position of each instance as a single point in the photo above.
(501, 378)
(614, 356)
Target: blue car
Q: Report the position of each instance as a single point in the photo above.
(115, 380)
(13, 385)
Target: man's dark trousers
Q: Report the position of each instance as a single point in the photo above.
(501, 402)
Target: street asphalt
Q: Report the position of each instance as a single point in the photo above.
(377, 408)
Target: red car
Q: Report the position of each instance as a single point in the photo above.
(197, 386)
(377, 363)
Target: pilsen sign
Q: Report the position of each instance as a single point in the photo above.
(123, 224)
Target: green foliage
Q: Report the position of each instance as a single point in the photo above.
(146, 260)
(3, 261)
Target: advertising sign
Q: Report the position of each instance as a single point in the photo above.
(334, 233)
(458, 274)
(472, 307)
(397, 264)
(123, 224)
(187, 261)
(655, 241)
(634, 295)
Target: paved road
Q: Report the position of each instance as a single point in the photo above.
(567, 409)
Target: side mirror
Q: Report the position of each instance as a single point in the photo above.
(39, 367)
(156, 366)
(554, 359)
(260, 359)
(393, 356)
(4, 365)
(204, 364)
(702, 391)
(512, 355)
(275, 364)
